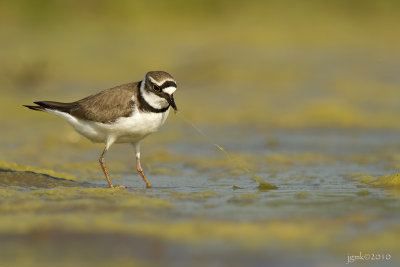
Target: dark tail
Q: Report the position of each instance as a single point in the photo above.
(42, 105)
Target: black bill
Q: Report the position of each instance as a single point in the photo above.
(171, 101)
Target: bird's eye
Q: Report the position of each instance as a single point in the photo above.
(156, 88)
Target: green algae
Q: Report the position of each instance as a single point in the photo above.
(194, 195)
(156, 214)
(76, 200)
(293, 158)
(27, 179)
(12, 166)
(248, 235)
(364, 192)
(388, 180)
(302, 195)
(262, 184)
(244, 199)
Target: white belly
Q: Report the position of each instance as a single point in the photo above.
(124, 130)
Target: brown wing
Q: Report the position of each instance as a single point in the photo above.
(106, 106)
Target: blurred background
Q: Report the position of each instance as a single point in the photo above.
(304, 92)
(283, 64)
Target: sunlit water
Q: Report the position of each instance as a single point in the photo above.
(324, 198)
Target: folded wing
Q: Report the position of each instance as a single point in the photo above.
(106, 106)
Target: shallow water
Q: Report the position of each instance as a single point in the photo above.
(331, 201)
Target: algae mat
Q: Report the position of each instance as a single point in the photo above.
(335, 198)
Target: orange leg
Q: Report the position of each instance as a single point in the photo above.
(139, 166)
(140, 171)
(103, 167)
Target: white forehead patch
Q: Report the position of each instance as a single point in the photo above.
(169, 90)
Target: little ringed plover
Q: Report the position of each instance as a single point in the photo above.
(123, 114)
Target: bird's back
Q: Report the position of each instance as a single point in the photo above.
(105, 106)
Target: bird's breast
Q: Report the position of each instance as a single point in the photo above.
(139, 125)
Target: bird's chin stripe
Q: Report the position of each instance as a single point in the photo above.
(169, 90)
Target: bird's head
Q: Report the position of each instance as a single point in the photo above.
(161, 84)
